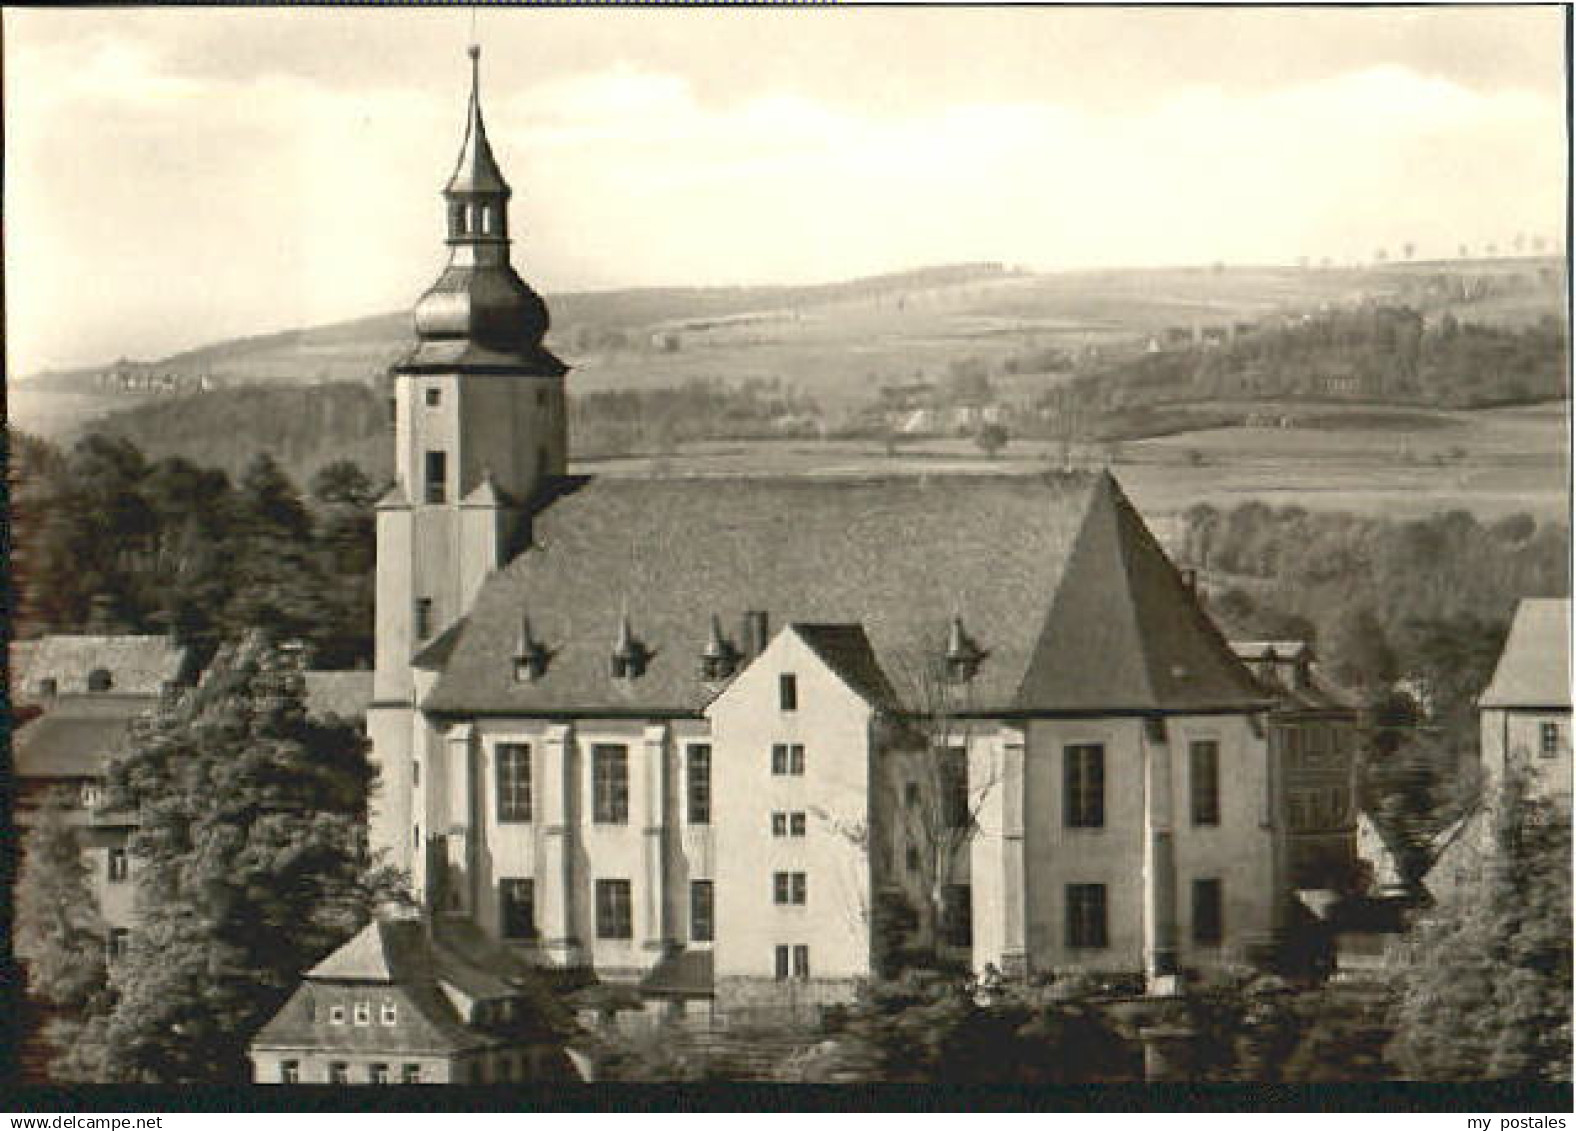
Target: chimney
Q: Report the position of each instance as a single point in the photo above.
(753, 633)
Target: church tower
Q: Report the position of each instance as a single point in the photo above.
(480, 429)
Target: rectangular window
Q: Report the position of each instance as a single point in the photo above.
(514, 781)
(779, 824)
(699, 780)
(1207, 924)
(957, 919)
(411, 1074)
(801, 962)
(363, 1013)
(788, 691)
(953, 769)
(911, 859)
(702, 923)
(1548, 739)
(119, 943)
(784, 956)
(378, 1074)
(1086, 916)
(1083, 786)
(789, 889)
(1204, 781)
(788, 760)
(437, 476)
(517, 908)
(339, 1072)
(434, 398)
(613, 916)
(119, 865)
(423, 617)
(795, 824)
(336, 1015)
(390, 1013)
(788, 824)
(289, 1071)
(610, 784)
(415, 773)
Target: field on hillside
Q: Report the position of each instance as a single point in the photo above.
(1490, 462)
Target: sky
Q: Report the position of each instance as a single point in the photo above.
(180, 177)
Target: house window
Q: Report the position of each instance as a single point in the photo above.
(378, 1074)
(411, 1074)
(514, 781)
(48, 688)
(699, 780)
(788, 824)
(957, 920)
(434, 398)
(363, 1013)
(415, 772)
(788, 760)
(610, 785)
(390, 1013)
(702, 922)
(336, 1015)
(788, 691)
(91, 795)
(953, 770)
(1548, 739)
(423, 617)
(517, 908)
(1083, 786)
(339, 1072)
(437, 469)
(911, 859)
(1207, 925)
(99, 679)
(792, 962)
(119, 943)
(613, 916)
(289, 1071)
(1086, 916)
(1204, 780)
(119, 865)
(788, 889)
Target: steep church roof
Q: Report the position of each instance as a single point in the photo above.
(1072, 602)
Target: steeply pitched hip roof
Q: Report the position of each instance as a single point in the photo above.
(1058, 580)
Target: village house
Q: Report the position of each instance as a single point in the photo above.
(646, 729)
(399, 1004)
(1525, 711)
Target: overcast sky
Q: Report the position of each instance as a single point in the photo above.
(177, 177)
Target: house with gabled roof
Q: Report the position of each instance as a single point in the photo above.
(630, 727)
(1524, 713)
(401, 1004)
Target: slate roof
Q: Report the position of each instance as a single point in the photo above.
(1535, 667)
(75, 737)
(846, 650)
(1054, 574)
(138, 665)
(399, 959)
(1274, 664)
(342, 695)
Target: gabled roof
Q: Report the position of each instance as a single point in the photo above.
(846, 650)
(138, 665)
(1535, 667)
(1059, 582)
(76, 736)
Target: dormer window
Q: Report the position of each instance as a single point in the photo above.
(363, 1013)
(100, 680)
(630, 656)
(963, 656)
(530, 655)
(390, 1013)
(719, 659)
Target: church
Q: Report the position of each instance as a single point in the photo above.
(698, 737)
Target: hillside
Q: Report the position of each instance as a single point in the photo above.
(837, 343)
